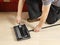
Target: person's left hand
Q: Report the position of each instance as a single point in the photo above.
(37, 28)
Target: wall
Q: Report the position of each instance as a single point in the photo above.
(10, 6)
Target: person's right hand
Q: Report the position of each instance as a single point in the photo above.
(18, 19)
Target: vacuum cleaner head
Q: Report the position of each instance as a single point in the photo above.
(21, 32)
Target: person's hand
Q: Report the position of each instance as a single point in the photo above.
(18, 19)
(37, 28)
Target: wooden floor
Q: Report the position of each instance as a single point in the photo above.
(48, 36)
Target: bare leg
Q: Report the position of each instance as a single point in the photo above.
(19, 13)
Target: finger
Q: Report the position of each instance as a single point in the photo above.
(18, 21)
(36, 30)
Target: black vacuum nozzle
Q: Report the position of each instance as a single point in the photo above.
(21, 32)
